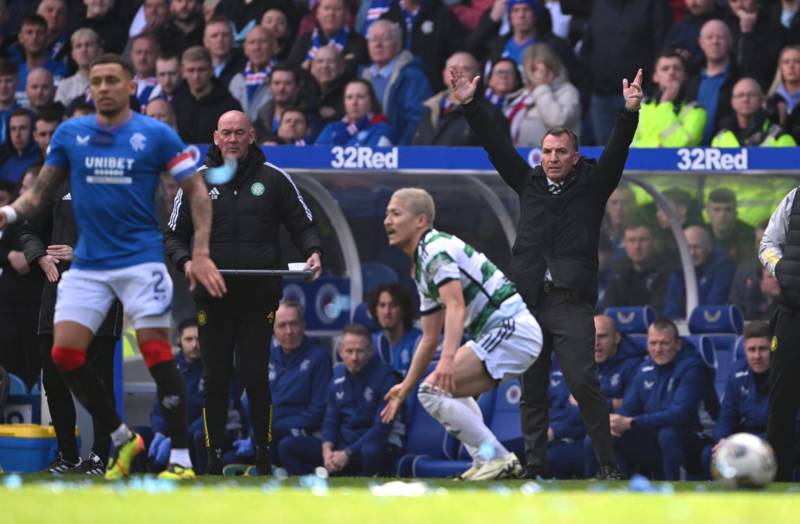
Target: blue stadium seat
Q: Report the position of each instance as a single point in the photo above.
(724, 326)
(374, 274)
(632, 322)
(705, 348)
(16, 386)
(738, 349)
(361, 316)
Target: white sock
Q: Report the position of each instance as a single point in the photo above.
(474, 452)
(121, 435)
(461, 420)
(180, 457)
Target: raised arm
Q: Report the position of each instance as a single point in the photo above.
(497, 143)
(26, 206)
(203, 269)
(612, 161)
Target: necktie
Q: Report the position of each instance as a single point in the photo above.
(555, 189)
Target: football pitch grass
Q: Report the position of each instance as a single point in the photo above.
(144, 500)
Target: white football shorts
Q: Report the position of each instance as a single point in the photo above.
(145, 290)
(511, 342)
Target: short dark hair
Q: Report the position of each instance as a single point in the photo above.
(515, 68)
(21, 111)
(146, 35)
(113, 58)
(669, 53)
(168, 55)
(80, 106)
(51, 113)
(286, 68)
(400, 293)
(185, 324)
(665, 324)
(219, 19)
(637, 220)
(757, 329)
(33, 19)
(8, 68)
(559, 131)
(722, 195)
(358, 330)
(294, 109)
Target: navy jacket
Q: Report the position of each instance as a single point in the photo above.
(668, 395)
(299, 381)
(617, 373)
(192, 373)
(744, 408)
(564, 418)
(714, 279)
(352, 416)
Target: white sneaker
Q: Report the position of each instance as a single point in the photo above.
(468, 474)
(508, 467)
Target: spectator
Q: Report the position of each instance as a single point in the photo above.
(9, 80)
(756, 40)
(162, 111)
(391, 307)
(299, 374)
(79, 108)
(199, 108)
(144, 51)
(744, 406)
(252, 86)
(639, 277)
(354, 439)
(40, 91)
(613, 53)
(292, 129)
(547, 101)
(168, 75)
(363, 124)
(32, 52)
(668, 119)
(620, 208)
(102, 17)
(55, 14)
(565, 430)
(684, 35)
(184, 27)
(398, 78)
(430, 31)
(713, 270)
(43, 129)
(753, 289)
(784, 94)
(730, 234)
(441, 124)
(656, 428)
(504, 79)
(784, 16)
(688, 213)
(85, 47)
(244, 14)
(750, 125)
(189, 362)
(20, 150)
(712, 85)
(285, 89)
(330, 30)
(218, 39)
(328, 80)
(20, 294)
(150, 17)
(275, 21)
(469, 13)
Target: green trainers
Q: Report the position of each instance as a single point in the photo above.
(176, 472)
(119, 467)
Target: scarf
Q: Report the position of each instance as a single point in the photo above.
(344, 130)
(375, 11)
(255, 79)
(496, 100)
(515, 112)
(339, 40)
(409, 17)
(791, 99)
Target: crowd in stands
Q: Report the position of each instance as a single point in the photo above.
(724, 73)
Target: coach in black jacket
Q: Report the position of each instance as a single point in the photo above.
(247, 213)
(554, 262)
(47, 241)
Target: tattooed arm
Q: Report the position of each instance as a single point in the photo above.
(26, 206)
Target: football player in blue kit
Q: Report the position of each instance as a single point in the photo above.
(114, 159)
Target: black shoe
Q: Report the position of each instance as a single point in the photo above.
(61, 466)
(611, 472)
(93, 465)
(215, 462)
(263, 461)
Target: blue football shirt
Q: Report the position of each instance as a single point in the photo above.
(114, 174)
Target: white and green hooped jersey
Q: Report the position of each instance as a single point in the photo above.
(442, 257)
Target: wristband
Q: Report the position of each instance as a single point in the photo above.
(10, 213)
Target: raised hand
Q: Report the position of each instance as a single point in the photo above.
(462, 90)
(632, 93)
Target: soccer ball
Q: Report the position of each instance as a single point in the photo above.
(744, 461)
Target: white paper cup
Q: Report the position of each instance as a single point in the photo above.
(297, 266)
